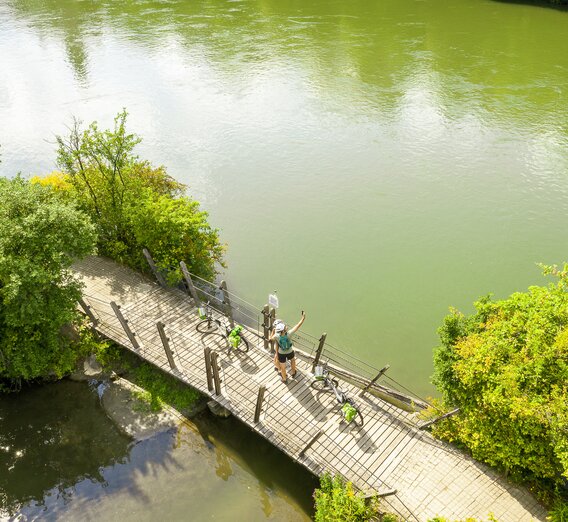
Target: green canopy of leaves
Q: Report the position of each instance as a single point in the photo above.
(506, 368)
(40, 236)
(135, 205)
(336, 500)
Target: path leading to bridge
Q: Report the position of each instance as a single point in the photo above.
(420, 476)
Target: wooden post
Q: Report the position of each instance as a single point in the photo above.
(215, 367)
(265, 328)
(368, 494)
(310, 443)
(89, 312)
(124, 322)
(159, 277)
(166, 343)
(319, 351)
(377, 377)
(207, 352)
(259, 400)
(271, 318)
(189, 282)
(433, 421)
(226, 300)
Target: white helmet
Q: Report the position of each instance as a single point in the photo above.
(279, 326)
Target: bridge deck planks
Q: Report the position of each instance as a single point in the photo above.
(296, 412)
(292, 415)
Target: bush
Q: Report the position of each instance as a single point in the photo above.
(336, 500)
(559, 513)
(40, 236)
(506, 368)
(160, 388)
(133, 204)
(174, 230)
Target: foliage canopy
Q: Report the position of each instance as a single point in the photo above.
(336, 500)
(506, 368)
(40, 236)
(133, 204)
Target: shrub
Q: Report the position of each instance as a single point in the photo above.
(133, 204)
(559, 513)
(40, 236)
(506, 368)
(336, 500)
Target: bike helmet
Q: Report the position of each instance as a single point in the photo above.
(279, 326)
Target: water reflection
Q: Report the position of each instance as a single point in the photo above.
(62, 458)
(370, 54)
(51, 438)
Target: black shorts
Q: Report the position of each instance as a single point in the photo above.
(283, 357)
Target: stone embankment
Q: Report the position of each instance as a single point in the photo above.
(123, 403)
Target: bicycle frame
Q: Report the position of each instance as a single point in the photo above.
(339, 395)
(321, 374)
(232, 334)
(209, 318)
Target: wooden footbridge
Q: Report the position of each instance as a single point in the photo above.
(417, 476)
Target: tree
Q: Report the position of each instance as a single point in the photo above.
(174, 230)
(506, 368)
(40, 236)
(134, 204)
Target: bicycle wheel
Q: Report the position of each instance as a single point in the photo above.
(208, 326)
(358, 420)
(322, 385)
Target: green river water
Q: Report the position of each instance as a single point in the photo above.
(373, 161)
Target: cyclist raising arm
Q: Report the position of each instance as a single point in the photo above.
(285, 349)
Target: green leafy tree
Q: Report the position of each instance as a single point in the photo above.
(506, 368)
(175, 229)
(40, 236)
(134, 204)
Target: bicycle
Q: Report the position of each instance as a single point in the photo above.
(349, 410)
(210, 325)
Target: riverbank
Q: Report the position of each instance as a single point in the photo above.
(152, 390)
(140, 399)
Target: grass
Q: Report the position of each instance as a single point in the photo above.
(159, 387)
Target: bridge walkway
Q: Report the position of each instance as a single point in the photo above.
(419, 476)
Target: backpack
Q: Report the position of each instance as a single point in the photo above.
(285, 343)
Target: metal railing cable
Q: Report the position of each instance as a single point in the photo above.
(242, 311)
(288, 426)
(108, 323)
(246, 313)
(96, 299)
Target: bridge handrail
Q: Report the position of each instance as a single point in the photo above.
(277, 417)
(250, 315)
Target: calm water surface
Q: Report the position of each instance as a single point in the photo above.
(61, 458)
(373, 161)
